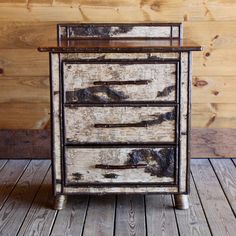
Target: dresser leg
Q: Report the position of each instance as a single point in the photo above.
(181, 201)
(59, 202)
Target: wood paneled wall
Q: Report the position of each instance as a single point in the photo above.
(27, 24)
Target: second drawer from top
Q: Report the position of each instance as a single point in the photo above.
(113, 81)
(120, 124)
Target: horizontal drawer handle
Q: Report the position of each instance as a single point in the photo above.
(101, 166)
(140, 124)
(135, 82)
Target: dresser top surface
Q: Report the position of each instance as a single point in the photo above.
(121, 45)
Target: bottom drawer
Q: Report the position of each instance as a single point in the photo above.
(119, 165)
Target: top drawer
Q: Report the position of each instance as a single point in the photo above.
(117, 81)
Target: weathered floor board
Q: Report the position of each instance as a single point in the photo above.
(192, 221)
(17, 205)
(40, 217)
(226, 173)
(160, 216)
(219, 214)
(71, 219)
(130, 215)
(2, 163)
(26, 195)
(100, 216)
(9, 176)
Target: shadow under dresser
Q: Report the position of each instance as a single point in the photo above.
(120, 109)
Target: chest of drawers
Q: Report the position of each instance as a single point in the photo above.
(120, 110)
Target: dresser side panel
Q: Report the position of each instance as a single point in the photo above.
(56, 117)
(184, 103)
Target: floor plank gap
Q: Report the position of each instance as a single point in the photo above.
(173, 203)
(114, 228)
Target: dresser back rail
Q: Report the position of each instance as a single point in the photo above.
(119, 31)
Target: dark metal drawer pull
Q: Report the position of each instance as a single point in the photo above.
(140, 124)
(101, 166)
(135, 82)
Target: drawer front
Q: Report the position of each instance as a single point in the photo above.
(110, 81)
(119, 165)
(119, 124)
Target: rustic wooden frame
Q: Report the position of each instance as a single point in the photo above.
(67, 27)
(142, 103)
(182, 57)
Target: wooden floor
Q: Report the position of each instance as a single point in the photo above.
(25, 196)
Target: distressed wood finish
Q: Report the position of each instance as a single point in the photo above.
(140, 124)
(226, 173)
(16, 206)
(70, 221)
(123, 215)
(130, 215)
(12, 177)
(220, 217)
(113, 165)
(100, 216)
(142, 82)
(193, 220)
(40, 217)
(128, 98)
(185, 122)
(28, 24)
(164, 30)
(118, 190)
(160, 217)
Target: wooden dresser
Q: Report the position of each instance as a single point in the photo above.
(120, 110)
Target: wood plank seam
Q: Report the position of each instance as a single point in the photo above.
(115, 212)
(52, 225)
(4, 165)
(89, 200)
(25, 168)
(40, 217)
(145, 216)
(32, 201)
(173, 203)
(55, 218)
(204, 212)
(222, 187)
(234, 161)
